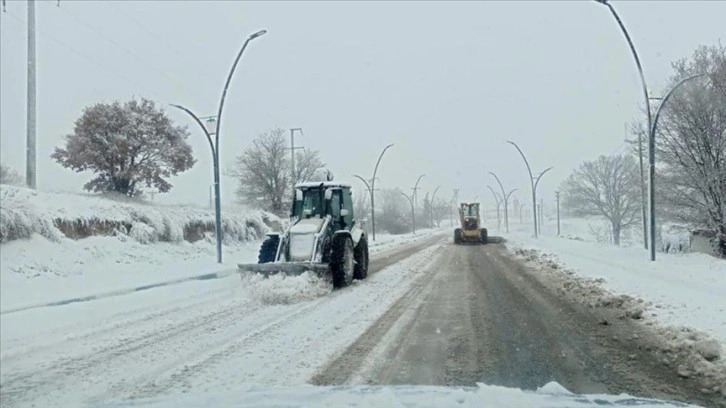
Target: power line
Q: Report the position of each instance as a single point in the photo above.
(117, 45)
(188, 61)
(85, 56)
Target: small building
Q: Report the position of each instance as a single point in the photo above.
(704, 241)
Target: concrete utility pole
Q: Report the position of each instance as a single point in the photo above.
(30, 174)
(557, 194)
(431, 204)
(293, 178)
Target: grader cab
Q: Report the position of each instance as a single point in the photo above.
(471, 230)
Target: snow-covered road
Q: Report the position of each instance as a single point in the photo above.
(205, 335)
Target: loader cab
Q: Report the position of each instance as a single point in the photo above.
(469, 213)
(317, 200)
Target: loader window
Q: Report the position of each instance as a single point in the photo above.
(335, 205)
(310, 206)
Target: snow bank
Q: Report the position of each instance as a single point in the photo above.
(680, 296)
(283, 289)
(549, 396)
(63, 215)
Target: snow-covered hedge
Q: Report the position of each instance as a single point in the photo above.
(24, 212)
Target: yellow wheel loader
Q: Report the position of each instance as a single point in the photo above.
(471, 230)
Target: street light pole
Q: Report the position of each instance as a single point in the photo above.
(432, 205)
(647, 108)
(651, 161)
(506, 202)
(499, 202)
(215, 146)
(373, 189)
(368, 187)
(532, 183)
(413, 217)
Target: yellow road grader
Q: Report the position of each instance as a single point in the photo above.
(471, 230)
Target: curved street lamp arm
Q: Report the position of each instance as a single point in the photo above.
(201, 125)
(635, 57)
(375, 170)
(364, 182)
(665, 99)
(416, 185)
(529, 169)
(410, 199)
(229, 79)
(496, 196)
(500, 185)
(540, 176)
(434, 196)
(510, 194)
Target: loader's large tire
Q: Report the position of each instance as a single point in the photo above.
(457, 236)
(268, 251)
(342, 260)
(483, 236)
(361, 259)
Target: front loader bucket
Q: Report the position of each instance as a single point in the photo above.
(286, 268)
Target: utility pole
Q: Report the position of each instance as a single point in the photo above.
(413, 215)
(30, 178)
(292, 154)
(541, 213)
(431, 205)
(557, 194)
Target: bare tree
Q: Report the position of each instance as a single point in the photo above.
(608, 187)
(9, 176)
(263, 172)
(441, 210)
(306, 162)
(394, 212)
(691, 145)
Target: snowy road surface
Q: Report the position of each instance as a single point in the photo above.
(429, 313)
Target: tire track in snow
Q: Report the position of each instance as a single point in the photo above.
(291, 348)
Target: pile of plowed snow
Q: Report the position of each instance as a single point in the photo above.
(283, 289)
(56, 216)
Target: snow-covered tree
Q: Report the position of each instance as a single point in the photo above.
(606, 187)
(691, 144)
(9, 176)
(263, 171)
(127, 146)
(393, 211)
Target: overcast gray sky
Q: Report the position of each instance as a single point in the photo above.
(447, 82)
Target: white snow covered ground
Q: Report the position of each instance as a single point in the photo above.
(270, 331)
(47, 267)
(551, 395)
(684, 289)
